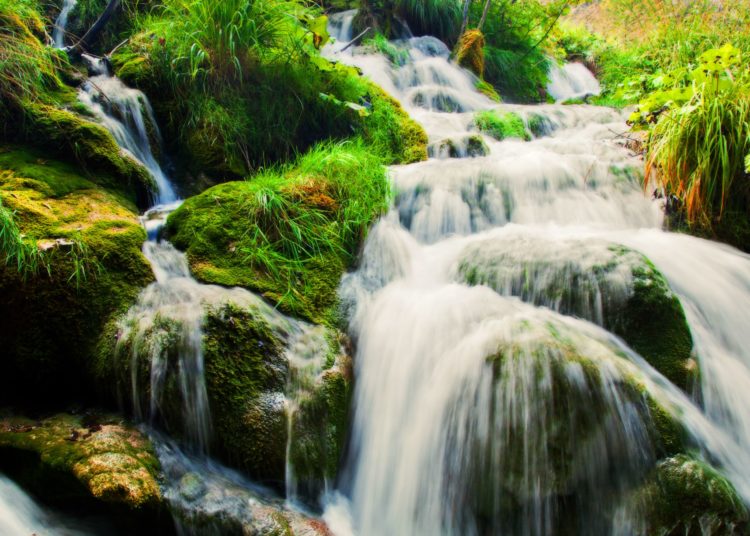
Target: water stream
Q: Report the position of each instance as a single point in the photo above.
(58, 30)
(486, 410)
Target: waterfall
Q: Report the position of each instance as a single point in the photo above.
(488, 408)
(126, 113)
(571, 81)
(19, 514)
(170, 314)
(58, 31)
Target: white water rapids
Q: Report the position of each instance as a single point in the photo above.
(470, 403)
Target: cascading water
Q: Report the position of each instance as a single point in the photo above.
(571, 81)
(170, 314)
(477, 413)
(58, 31)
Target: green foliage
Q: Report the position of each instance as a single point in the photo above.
(440, 18)
(28, 69)
(22, 253)
(700, 137)
(380, 43)
(288, 233)
(501, 125)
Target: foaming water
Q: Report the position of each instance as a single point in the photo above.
(478, 413)
(20, 515)
(126, 113)
(58, 31)
(571, 81)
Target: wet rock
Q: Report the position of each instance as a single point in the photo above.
(114, 463)
(610, 285)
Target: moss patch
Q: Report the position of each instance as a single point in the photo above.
(113, 462)
(96, 269)
(501, 125)
(470, 52)
(290, 234)
(688, 496)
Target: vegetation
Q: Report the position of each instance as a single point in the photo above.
(257, 92)
(501, 125)
(288, 233)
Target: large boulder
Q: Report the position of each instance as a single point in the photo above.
(264, 376)
(608, 284)
(93, 456)
(687, 496)
(83, 266)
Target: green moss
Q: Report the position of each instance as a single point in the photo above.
(245, 380)
(470, 52)
(488, 90)
(501, 125)
(319, 429)
(54, 319)
(536, 125)
(689, 497)
(113, 462)
(653, 324)
(378, 43)
(289, 234)
(395, 135)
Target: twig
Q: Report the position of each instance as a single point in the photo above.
(116, 48)
(355, 39)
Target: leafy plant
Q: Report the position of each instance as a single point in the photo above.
(700, 138)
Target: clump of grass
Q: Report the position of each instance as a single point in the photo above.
(289, 232)
(440, 18)
(697, 152)
(28, 68)
(501, 125)
(15, 248)
(379, 43)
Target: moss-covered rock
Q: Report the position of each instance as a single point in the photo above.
(607, 284)
(108, 459)
(92, 271)
(319, 429)
(288, 236)
(468, 147)
(246, 375)
(689, 497)
(501, 125)
(260, 370)
(582, 437)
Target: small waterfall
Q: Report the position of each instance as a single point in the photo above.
(126, 113)
(477, 413)
(58, 32)
(571, 81)
(20, 515)
(169, 315)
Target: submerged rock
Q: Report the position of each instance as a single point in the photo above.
(263, 376)
(689, 497)
(610, 285)
(111, 461)
(467, 147)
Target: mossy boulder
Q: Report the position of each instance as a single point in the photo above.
(688, 497)
(92, 270)
(257, 365)
(96, 456)
(288, 235)
(610, 285)
(501, 125)
(584, 435)
(470, 52)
